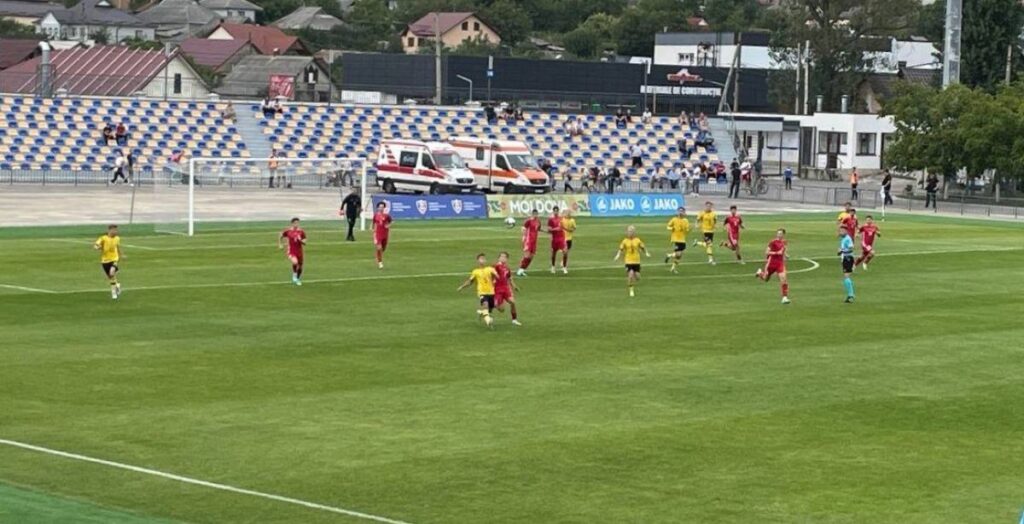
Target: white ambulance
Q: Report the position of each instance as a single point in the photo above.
(502, 165)
(422, 167)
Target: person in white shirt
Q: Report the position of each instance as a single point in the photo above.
(647, 116)
(119, 166)
(637, 153)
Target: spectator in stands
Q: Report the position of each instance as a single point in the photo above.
(854, 182)
(684, 120)
(887, 188)
(656, 179)
(267, 108)
(629, 116)
(592, 180)
(687, 174)
(737, 175)
(567, 180)
(702, 121)
(647, 116)
(129, 160)
(351, 207)
(108, 134)
(121, 134)
(620, 118)
(272, 166)
(490, 115)
(278, 107)
(673, 177)
(518, 115)
(721, 177)
(636, 153)
(119, 166)
(787, 176)
(704, 139)
(613, 179)
(931, 190)
(229, 112)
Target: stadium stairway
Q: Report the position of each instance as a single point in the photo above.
(720, 130)
(252, 133)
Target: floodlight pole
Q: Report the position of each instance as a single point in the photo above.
(437, 58)
(951, 50)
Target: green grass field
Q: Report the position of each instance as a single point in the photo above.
(700, 400)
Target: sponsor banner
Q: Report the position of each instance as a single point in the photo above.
(501, 206)
(404, 207)
(635, 204)
(281, 85)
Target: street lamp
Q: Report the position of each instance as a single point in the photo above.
(470, 82)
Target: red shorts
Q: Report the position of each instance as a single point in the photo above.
(867, 248)
(773, 268)
(530, 246)
(501, 296)
(381, 242)
(734, 238)
(558, 244)
(296, 256)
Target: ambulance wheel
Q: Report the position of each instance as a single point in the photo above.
(435, 189)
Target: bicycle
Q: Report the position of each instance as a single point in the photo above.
(759, 186)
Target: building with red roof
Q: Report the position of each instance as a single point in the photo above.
(454, 28)
(108, 71)
(14, 51)
(218, 55)
(267, 40)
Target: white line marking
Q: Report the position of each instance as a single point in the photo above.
(204, 483)
(87, 243)
(29, 289)
(814, 265)
(461, 273)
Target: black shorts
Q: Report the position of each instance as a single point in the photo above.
(848, 264)
(709, 237)
(680, 246)
(568, 245)
(487, 300)
(633, 267)
(107, 266)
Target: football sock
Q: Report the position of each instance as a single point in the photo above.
(525, 264)
(785, 290)
(848, 284)
(380, 256)
(515, 315)
(298, 271)
(565, 259)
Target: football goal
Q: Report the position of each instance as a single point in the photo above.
(200, 194)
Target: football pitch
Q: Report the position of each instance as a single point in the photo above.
(215, 391)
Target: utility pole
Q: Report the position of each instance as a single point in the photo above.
(796, 97)
(736, 81)
(437, 58)
(951, 50)
(1009, 62)
(807, 75)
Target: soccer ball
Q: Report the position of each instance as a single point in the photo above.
(510, 222)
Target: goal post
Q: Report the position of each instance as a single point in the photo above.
(208, 190)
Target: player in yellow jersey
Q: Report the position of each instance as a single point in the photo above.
(847, 209)
(484, 276)
(629, 251)
(109, 246)
(707, 220)
(679, 228)
(569, 226)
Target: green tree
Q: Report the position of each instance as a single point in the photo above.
(989, 27)
(100, 36)
(562, 16)
(139, 43)
(12, 29)
(840, 34)
(473, 47)
(583, 42)
(732, 15)
(510, 20)
(371, 23)
(929, 134)
(638, 25)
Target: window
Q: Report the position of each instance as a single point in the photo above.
(830, 142)
(476, 26)
(177, 83)
(427, 162)
(501, 163)
(685, 58)
(411, 42)
(866, 144)
(73, 32)
(138, 33)
(408, 159)
(465, 26)
(479, 153)
(312, 75)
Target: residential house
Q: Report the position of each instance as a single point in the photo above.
(81, 22)
(218, 55)
(876, 88)
(15, 51)
(234, 10)
(177, 20)
(267, 40)
(454, 28)
(109, 71)
(308, 18)
(252, 75)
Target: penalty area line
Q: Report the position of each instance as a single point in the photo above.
(29, 289)
(203, 483)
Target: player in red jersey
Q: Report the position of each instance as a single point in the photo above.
(296, 240)
(868, 233)
(849, 222)
(504, 287)
(381, 231)
(557, 239)
(775, 263)
(531, 229)
(733, 225)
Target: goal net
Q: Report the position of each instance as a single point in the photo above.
(200, 194)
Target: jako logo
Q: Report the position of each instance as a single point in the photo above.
(645, 205)
(602, 204)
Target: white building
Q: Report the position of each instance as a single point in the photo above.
(233, 10)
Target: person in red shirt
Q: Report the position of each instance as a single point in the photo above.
(504, 287)
(849, 223)
(531, 229)
(868, 233)
(775, 263)
(295, 239)
(733, 225)
(557, 239)
(381, 231)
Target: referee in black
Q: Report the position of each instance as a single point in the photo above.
(352, 206)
